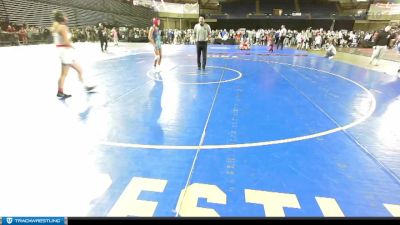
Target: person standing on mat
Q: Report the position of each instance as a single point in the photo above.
(103, 37)
(281, 38)
(381, 43)
(155, 40)
(202, 33)
(62, 39)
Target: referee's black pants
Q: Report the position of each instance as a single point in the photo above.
(280, 42)
(103, 42)
(201, 51)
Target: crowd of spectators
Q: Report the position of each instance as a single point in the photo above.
(12, 34)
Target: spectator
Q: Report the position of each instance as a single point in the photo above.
(330, 50)
(114, 34)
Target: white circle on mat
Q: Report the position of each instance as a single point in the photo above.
(150, 74)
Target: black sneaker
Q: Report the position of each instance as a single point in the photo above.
(62, 95)
(88, 89)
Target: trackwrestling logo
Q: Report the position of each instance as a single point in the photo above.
(33, 220)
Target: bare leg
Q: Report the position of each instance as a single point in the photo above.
(78, 69)
(160, 54)
(155, 60)
(64, 73)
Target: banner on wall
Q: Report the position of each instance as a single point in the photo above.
(384, 11)
(166, 7)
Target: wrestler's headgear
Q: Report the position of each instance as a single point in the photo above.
(156, 21)
(58, 16)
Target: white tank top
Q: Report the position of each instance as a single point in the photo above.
(58, 39)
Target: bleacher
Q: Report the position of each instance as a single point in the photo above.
(238, 9)
(287, 6)
(3, 12)
(34, 13)
(79, 13)
(317, 8)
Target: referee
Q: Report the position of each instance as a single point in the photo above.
(381, 43)
(202, 33)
